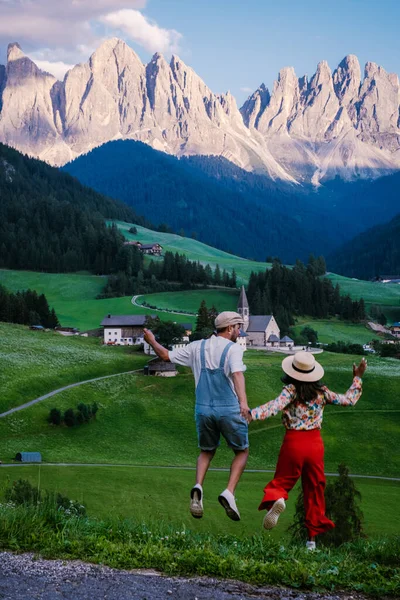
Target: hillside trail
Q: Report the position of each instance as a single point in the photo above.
(169, 312)
(27, 577)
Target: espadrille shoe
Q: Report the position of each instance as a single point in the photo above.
(272, 516)
(196, 501)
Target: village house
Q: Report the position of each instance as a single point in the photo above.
(395, 329)
(153, 249)
(123, 330)
(261, 330)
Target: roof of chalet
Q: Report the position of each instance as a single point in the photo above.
(187, 326)
(258, 323)
(273, 338)
(286, 339)
(123, 320)
(243, 333)
(243, 303)
(397, 324)
(157, 364)
(149, 246)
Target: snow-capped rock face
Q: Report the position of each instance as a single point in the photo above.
(334, 124)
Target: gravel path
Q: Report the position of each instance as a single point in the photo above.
(24, 577)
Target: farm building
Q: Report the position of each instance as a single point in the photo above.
(160, 368)
(395, 329)
(123, 330)
(29, 457)
(154, 249)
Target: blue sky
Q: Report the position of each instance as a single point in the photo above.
(232, 45)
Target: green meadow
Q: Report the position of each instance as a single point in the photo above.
(73, 296)
(225, 299)
(334, 330)
(195, 250)
(148, 422)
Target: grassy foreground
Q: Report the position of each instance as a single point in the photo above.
(370, 567)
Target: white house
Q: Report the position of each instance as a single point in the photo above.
(123, 330)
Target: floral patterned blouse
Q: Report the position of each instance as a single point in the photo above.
(305, 416)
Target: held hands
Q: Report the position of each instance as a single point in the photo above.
(245, 412)
(360, 370)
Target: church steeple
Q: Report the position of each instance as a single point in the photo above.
(243, 308)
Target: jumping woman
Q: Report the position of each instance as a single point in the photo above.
(302, 402)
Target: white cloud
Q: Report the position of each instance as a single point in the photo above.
(144, 32)
(246, 89)
(68, 31)
(58, 69)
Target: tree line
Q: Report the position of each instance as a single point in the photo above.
(134, 277)
(50, 222)
(301, 290)
(26, 308)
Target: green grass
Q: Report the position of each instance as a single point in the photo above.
(73, 297)
(386, 295)
(145, 420)
(195, 250)
(370, 567)
(333, 330)
(189, 301)
(134, 492)
(35, 362)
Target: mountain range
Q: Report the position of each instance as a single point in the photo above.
(339, 124)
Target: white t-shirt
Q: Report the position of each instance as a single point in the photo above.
(190, 357)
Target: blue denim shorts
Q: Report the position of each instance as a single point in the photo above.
(211, 424)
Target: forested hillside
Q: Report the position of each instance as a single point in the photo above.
(371, 254)
(209, 198)
(51, 222)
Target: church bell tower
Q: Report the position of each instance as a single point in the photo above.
(243, 308)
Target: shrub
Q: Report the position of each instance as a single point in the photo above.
(55, 416)
(22, 492)
(69, 417)
(342, 506)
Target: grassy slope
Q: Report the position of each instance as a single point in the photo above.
(190, 301)
(74, 297)
(333, 330)
(34, 362)
(195, 250)
(149, 421)
(387, 295)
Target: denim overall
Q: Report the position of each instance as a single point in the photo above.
(217, 407)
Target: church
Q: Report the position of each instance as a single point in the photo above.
(259, 330)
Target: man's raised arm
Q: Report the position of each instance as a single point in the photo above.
(158, 349)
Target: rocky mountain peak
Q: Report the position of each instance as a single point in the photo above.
(14, 52)
(334, 124)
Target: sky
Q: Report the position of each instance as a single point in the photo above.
(233, 45)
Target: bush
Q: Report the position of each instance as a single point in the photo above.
(22, 492)
(69, 417)
(55, 416)
(345, 348)
(342, 507)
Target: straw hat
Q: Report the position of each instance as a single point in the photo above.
(303, 367)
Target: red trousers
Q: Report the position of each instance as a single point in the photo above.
(301, 455)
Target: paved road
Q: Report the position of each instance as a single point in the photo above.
(174, 468)
(168, 312)
(66, 387)
(26, 577)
